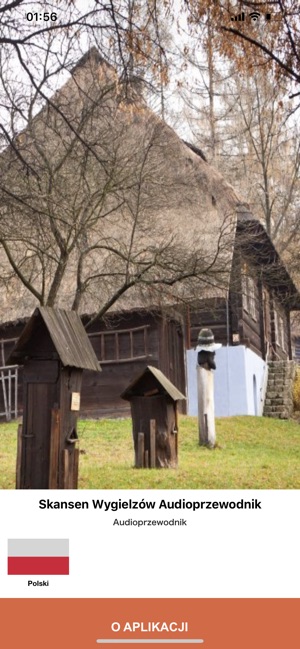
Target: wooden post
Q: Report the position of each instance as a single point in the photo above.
(141, 449)
(176, 427)
(19, 457)
(206, 408)
(152, 443)
(76, 468)
(66, 458)
(54, 449)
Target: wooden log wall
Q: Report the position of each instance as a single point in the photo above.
(135, 340)
(209, 313)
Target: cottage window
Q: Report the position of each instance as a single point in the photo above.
(122, 345)
(296, 349)
(248, 287)
(251, 297)
(279, 330)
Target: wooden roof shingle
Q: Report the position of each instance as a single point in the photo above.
(68, 337)
(165, 385)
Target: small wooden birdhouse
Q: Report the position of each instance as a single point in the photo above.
(54, 350)
(153, 400)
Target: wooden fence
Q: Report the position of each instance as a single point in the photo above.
(9, 391)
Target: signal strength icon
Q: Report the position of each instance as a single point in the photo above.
(254, 15)
(238, 17)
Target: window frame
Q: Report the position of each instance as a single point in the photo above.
(248, 296)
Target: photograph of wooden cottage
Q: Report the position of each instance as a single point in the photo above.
(105, 210)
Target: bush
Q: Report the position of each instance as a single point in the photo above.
(296, 390)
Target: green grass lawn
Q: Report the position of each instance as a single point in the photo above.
(253, 453)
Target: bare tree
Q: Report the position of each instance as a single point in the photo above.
(204, 90)
(245, 123)
(41, 42)
(252, 42)
(261, 150)
(95, 204)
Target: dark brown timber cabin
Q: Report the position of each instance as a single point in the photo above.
(54, 350)
(125, 343)
(260, 297)
(153, 400)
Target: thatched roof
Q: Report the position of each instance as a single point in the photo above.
(184, 201)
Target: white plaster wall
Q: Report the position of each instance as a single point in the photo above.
(234, 383)
(255, 366)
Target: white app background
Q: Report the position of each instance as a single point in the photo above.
(218, 553)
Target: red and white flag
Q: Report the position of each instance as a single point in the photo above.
(38, 557)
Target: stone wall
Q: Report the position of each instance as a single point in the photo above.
(279, 396)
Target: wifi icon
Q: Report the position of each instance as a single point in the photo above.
(254, 15)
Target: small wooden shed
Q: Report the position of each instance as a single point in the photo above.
(153, 400)
(54, 350)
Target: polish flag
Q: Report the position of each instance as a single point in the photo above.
(38, 557)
